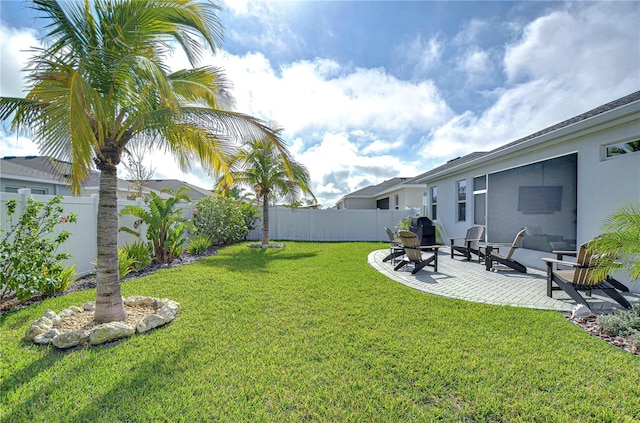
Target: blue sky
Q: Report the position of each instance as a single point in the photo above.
(367, 91)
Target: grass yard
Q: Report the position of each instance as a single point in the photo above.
(312, 333)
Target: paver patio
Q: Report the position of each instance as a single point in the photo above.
(457, 278)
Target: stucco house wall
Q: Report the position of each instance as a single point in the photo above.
(603, 184)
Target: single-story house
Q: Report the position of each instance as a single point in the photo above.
(559, 183)
(48, 176)
(397, 193)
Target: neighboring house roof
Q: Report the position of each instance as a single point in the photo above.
(195, 194)
(55, 169)
(50, 170)
(15, 170)
(374, 190)
(479, 156)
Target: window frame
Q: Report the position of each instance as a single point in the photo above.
(606, 155)
(461, 200)
(433, 201)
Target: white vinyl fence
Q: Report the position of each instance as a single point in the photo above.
(331, 224)
(284, 224)
(82, 244)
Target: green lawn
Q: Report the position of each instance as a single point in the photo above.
(313, 333)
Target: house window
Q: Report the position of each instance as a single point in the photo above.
(40, 191)
(434, 203)
(461, 200)
(11, 189)
(397, 198)
(619, 149)
(479, 200)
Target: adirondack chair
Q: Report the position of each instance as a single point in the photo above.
(469, 244)
(395, 247)
(414, 250)
(579, 278)
(491, 255)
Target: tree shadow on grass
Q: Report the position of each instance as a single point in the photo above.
(254, 259)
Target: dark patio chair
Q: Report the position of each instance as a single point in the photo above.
(395, 248)
(492, 255)
(579, 277)
(469, 245)
(414, 250)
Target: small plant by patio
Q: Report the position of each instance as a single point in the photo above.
(29, 261)
(621, 322)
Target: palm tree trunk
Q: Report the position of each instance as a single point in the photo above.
(265, 221)
(109, 305)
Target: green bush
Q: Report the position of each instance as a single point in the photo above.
(66, 277)
(220, 218)
(621, 322)
(125, 263)
(166, 228)
(141, 253)
(199, 244)
(29, 261)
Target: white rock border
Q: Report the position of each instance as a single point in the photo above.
(44, 330)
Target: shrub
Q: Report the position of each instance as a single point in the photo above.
(621, 322)
(220, 218)
(141, 253)
(125, 263)
(65, 279)
(250, 213)
(199, 244)
(29, 261)
(404, 224)
(166, 229)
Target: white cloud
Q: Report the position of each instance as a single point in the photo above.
(476, 64)
(15, 55)
(319, 94)
(580, 46)
(421, 55)
(564, 64)
(337, 166)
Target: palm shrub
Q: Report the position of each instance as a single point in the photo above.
(141, 254)
(29, 260)
(125, 263)
(221, 218)
(199, 244)
(618, 246)
(165, 227)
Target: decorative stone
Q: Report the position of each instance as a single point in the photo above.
(47, 337)
(33, 331)
(51, 315)
(138, 300)
(44, 328)
(71, 339)
(110, 332)
(67, 312)
(150, 322)
(169, 310)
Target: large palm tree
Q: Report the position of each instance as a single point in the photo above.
(100, 81)
(270, 172)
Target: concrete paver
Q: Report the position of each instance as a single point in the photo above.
(469, 281)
